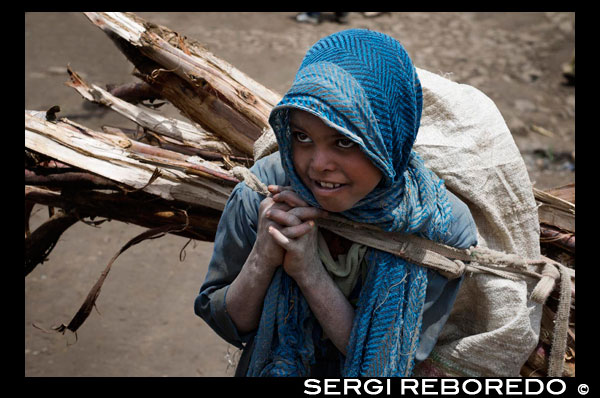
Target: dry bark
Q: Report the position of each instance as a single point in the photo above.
(68, 180)
(134, 93)
(173, 145)
(41, 242)
(187, 134)
(203, 87)
(136, 208)
(556, 211)
(108, 156)
(555, 236)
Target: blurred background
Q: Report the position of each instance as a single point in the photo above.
(145, 324)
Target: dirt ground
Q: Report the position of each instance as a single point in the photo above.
(146, 325)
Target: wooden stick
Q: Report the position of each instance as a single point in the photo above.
(205, 89)
(565, 192)
(136, 208)
(82, 149)
(174, 145)
(187, 133)
(205, 109)
(199, 73)
(191, 60)
(133, 92)
(556, 211)
(557, 237)
(72, 180)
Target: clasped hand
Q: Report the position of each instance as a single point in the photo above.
(287, 232)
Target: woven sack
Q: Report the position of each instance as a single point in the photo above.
(463, 137)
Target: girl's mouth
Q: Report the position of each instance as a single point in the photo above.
(325, 187)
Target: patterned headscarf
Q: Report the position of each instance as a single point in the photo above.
(363, 84)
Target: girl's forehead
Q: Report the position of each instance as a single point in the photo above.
(301, 118)
(311, 123)
(299, 115)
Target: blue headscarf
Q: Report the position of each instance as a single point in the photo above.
(363, 84)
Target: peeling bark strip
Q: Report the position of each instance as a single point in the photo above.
(41, 242)
(225, 101)
(85, 309)
(173, 145)
(28, 210)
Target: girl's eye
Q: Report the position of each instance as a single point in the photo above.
(301, 137)
(345, 143)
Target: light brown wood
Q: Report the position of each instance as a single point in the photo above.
(219, 97)
(109, 158)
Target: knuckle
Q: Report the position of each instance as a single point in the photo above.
(305, 213)
(297, 211)
(283, 195)
(266, 202)
(289, 194)
(292, 219)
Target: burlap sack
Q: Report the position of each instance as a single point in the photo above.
(493, 326)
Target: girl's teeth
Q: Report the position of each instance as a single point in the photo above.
(328, 185)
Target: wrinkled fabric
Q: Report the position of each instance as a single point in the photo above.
(346, 269)
(363, 84)
(494, 326)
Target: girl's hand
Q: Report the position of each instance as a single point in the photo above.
(267, 249)
(298, 235)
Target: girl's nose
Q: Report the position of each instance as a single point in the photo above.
(322, 160)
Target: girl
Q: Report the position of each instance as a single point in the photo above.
(302, 301)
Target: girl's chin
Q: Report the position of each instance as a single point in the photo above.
(334, 200)
(333, 205)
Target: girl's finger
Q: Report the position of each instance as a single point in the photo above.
(308, 213)
(298, 230)
(294, 216)
(281, 206)
(278, 237)
(283, 217)
(278, 188)
(291, 198)
(268, 203)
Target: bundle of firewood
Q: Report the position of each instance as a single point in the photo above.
(168, 173)
(172, 176)
(175, 176)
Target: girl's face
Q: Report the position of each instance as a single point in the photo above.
(333, 167)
